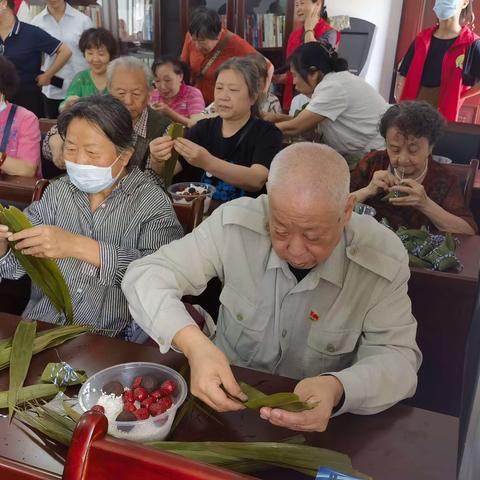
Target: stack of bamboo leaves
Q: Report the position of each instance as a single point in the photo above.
(175, 130)
(42, 271)
(17, 353)
(245, 457)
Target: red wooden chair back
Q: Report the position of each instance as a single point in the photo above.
(40, 187)
(466, 174)
(12, 470)
(94, 456)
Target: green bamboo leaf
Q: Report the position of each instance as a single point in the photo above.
(251, 392)
(20, 357)
(47, 339)
(175, 130)
(43, 272)
(32, 392)
(72, 413)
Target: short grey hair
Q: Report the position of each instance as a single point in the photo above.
(131, 63)
(249, 71)
(311, 169)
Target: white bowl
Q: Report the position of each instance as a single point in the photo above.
(153, 428)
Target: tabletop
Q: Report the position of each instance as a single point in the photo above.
(402, 442)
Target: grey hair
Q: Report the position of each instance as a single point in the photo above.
(249, 71)
(312, 169)
(131, 63)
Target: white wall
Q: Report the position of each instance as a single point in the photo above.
(386, 15)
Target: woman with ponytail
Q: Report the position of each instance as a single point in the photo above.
(442, 65)
(313, 17)
(343, 107)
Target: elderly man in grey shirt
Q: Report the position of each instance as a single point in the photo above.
(310, 291)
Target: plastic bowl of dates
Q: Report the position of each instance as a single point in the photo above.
(139, 399)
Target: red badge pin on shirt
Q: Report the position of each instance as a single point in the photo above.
(314, 316)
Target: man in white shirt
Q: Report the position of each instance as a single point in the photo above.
(67, 24)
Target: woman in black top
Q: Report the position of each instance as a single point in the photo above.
(443, 62)
(233, 151)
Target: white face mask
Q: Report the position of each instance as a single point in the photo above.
(445, 9)
(90, 178)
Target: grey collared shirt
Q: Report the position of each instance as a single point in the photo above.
(350, 316)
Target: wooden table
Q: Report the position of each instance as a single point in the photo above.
(398, 444)
(17, 189)
(443, 305)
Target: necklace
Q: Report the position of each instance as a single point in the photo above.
(418, 179)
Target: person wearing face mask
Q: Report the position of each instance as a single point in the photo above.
(430, 194)
(313, 17)
(207, 46)
(442, 65)
(19, 129)
(94, 221)
(310, 291)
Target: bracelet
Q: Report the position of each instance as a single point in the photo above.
(3, 157)
(310, 30)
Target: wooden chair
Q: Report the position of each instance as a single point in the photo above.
(12, 470)
(40, 187)
(94, 456)
(46, 124)
(189, 215)
(466, 174)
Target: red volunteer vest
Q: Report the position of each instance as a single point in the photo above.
(294, 41)
(451, 86)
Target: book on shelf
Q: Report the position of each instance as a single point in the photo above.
(265, 30)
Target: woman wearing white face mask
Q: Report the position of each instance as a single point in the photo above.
(442, 66)
(19, 129)
(96, 221)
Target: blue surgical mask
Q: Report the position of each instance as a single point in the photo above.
(90, 178)
(3, 105)
(445, 9)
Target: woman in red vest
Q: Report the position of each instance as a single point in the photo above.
(442, 66)
(314, 18)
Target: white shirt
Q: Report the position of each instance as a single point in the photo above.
(68, 30)
(352, 109)
(298, 103)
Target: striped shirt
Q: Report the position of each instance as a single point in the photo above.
(135, 220)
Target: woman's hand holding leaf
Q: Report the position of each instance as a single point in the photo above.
(45, 241)
(326, 391)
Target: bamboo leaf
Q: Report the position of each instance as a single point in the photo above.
(251, 392)
(73, 414)
(27, 394)
(43, 272)
(175, 130)
(20, 357)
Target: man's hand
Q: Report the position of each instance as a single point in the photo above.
(194, 154)
(162, 108)
(326, 390)
(209, 369)
(44, 79)
(416, 195)
(45, 241)
(4, 236)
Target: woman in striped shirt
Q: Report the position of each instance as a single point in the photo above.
(172, 96)
(94, 222)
